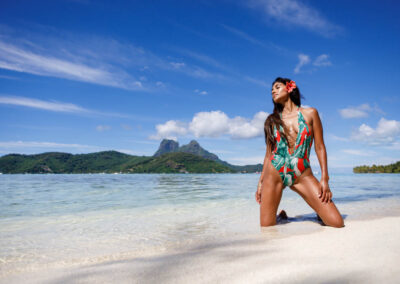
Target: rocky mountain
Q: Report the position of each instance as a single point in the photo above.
(171, 146)
(167, 146)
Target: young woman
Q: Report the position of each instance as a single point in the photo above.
(289, 134)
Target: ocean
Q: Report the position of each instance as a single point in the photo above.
(57, 220)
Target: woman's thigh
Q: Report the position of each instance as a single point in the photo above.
(271, 194)
(308, 188)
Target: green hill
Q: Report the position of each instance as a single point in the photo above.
(169, 158)
(108, 162)
(179, 163)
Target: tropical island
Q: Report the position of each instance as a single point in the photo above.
(169, 158)
(391, 168)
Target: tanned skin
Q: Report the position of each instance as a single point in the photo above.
(316, 193)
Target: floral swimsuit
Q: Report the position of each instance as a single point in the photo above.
(291, 165)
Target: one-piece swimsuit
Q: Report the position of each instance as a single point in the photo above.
(291, 165)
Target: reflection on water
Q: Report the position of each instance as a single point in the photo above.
(179, 188)
(79, 218)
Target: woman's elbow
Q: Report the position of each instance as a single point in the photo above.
(319, 148)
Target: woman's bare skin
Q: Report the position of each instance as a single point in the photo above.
(316, 193)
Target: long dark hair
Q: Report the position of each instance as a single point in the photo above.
(275, 119)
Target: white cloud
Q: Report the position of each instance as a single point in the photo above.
(211, 124)
(201, 57)
(214, 124)
(303, 59)
(201, 92)
(54, 106)
(244, 35)
(35, 103)
(393, 146)
(385, 134)
(292, 13)
(322, 60)
(241, 128)
(22, 59)
(46, 51)
(170, 130)
(126, 126)
(177, 65)
(339, 138)
(103, 127)
(9, 77)
(25, 144)
(358, 111)
(358, 152)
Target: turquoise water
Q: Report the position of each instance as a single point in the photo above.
(58, 220)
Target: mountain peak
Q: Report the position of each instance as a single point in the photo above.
(167, 146)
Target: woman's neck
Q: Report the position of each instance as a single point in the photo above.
(289, 108)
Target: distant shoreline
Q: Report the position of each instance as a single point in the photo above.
(379, 169)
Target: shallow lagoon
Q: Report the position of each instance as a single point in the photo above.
(59, 220)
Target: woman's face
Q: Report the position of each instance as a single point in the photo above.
(279, 92)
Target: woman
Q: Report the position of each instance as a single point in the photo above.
(287, 161)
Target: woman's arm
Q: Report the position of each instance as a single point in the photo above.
(266, 160)
(320, 150)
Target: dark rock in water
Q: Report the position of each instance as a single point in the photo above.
(167, 146)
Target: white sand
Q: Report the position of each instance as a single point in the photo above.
(361, 252)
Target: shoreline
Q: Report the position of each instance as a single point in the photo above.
(362, 251)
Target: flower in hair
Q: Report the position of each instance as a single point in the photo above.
(290, 86)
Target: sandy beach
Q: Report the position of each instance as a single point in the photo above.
(364, 251)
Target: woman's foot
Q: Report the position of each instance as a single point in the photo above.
(282, 216)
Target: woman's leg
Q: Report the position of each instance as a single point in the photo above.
(271, 194)
(308, 187)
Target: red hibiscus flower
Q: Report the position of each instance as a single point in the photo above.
(290, 86)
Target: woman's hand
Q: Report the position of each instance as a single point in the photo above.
(258, 193)
(325, 193)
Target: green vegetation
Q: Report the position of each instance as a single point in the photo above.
(109, 162)
(179, 163)
(392, 168)
(169, 158)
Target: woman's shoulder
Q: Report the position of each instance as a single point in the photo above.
(309, 109)
(309, 112)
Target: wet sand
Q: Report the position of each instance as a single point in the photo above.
(364, 251)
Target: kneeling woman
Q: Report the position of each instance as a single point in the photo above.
(289, 134)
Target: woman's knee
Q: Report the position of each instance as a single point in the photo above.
(266, 222)
(336, 221)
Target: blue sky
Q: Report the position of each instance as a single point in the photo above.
(87, 76)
